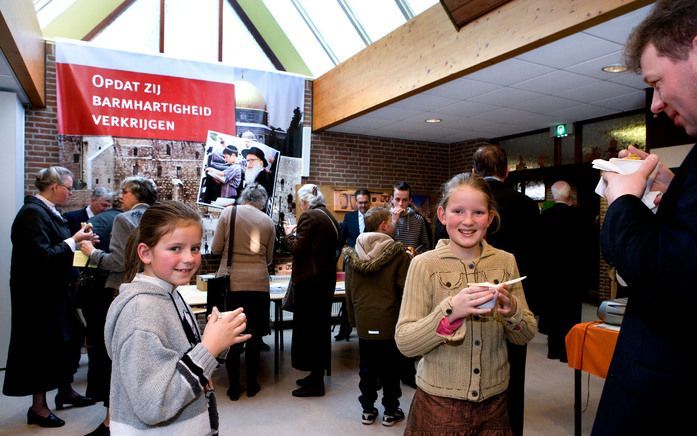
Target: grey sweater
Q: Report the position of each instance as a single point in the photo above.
(154, 385)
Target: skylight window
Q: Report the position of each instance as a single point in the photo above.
(379, 17)
(334, 26)
(325, 35)
(418, 6)
(239, 47)
(323, 32)
(48, 10)
(136, 29)
(300, 35)
(200, 42)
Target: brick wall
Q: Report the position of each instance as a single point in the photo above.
(41, 141)
(341, 160)
(344, 160)
(460, 155)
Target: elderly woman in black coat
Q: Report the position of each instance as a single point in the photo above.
(312, 243)
(42, 340)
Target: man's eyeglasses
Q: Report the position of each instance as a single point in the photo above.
(70, 188)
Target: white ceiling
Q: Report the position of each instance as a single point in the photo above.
(8, 80)
(561, 82)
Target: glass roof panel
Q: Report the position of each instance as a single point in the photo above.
(300, 36)
(419, 6)
(136, 29)
(378, 17)
(239, 47)
(49, 10)
(334, 26)
(200, 42)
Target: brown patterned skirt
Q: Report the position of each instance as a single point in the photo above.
(430, 415)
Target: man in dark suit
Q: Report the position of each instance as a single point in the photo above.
(651, 380)
(352, 226)
(95, 300)
(100, 201)
(519, 215)
(564, 252)
(354, 222)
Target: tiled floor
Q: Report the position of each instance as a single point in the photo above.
(549, 400)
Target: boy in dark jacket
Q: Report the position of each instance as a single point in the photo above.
(375, 273)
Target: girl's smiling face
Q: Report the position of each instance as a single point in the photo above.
(176, 256)
(466, 218)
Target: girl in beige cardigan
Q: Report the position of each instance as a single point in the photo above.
(463, 374)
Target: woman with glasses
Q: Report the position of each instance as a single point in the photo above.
(42, 342)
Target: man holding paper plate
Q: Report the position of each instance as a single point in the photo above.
(652, 377)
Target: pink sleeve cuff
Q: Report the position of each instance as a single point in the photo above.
(447, 328)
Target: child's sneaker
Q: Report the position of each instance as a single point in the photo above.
(369, 416)
(390, 418)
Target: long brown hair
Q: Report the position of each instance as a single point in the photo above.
(158, 220)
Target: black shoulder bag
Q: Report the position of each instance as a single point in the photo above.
(218, 287)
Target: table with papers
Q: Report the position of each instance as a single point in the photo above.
(278, 285)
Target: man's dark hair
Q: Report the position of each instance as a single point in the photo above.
(490, 160)
(402, 186)
(362, 191)
(670, 27)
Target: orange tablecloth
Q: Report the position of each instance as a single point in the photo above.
(589, 347)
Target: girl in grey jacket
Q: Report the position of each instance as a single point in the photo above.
(161, 363)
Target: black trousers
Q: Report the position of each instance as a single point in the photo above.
(256, 308)
(379, 361)
(517, 355)
(95, 307)
(558, 325)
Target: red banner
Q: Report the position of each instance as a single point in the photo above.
(105, 102)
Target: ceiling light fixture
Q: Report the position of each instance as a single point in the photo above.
(433, 120)
(614, 68)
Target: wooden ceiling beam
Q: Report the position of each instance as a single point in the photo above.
(22, 44)
(462, 12)
(427, 51)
